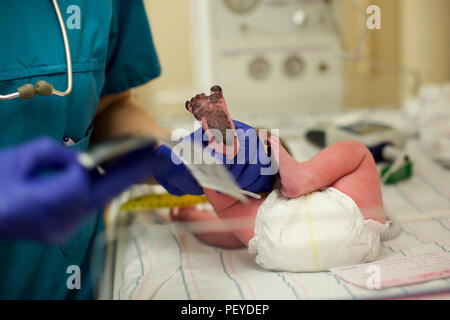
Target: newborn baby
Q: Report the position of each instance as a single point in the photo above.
(325, 212)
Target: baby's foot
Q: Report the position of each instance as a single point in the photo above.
(213, 115)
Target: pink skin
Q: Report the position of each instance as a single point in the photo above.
(211, 111)
(221, 239)
(347, 166)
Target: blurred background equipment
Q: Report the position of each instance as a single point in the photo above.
(268, 54)
(369, 133)
(306, 55)
(384, 142)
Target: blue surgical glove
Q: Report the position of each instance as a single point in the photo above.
(177, 179)
(174, 176)
(45, 194)
(251, 165)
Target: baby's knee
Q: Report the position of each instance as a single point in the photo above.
(361, 152)
(353, 146)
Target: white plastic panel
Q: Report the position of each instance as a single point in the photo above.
(246, 54)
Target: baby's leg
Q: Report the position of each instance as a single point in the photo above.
(347, 166)
(229, 209)
(363, 186)
(212, 112)
(224, 239)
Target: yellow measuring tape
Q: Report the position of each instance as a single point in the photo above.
(162, 200)
(165, 200)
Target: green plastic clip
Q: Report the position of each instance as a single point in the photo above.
(403, 173)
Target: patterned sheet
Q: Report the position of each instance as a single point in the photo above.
(157, 261)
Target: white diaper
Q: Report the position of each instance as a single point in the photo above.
(314, 232)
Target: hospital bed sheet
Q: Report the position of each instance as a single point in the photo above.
(157, 261)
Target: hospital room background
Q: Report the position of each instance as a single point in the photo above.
(340, 64)
(289, 64)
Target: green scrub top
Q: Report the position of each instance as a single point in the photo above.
(112, 51)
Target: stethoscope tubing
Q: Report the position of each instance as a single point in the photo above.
(68, 61)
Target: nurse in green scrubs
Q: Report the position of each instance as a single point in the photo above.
(112, 51)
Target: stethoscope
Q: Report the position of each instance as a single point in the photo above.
(43, 88)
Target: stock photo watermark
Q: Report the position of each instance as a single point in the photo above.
(73, 22)
(374, 20)
(74, 278)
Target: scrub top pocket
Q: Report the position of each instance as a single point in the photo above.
(84, 143)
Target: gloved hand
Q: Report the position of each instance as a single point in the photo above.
(45, 193)
(249, 162)
(174, 176)
(177, 179)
